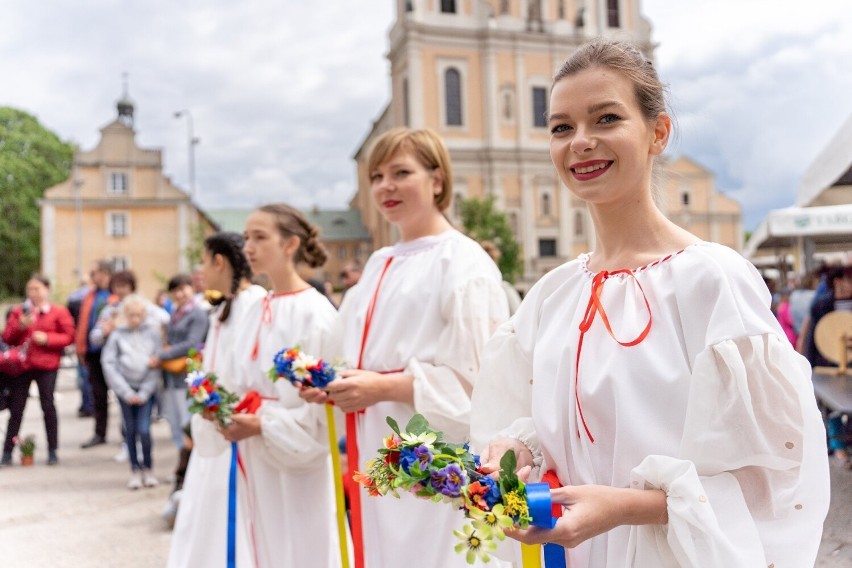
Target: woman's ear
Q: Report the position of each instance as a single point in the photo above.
(218, 261)
(291, 245)
(437, 181)
(662, 131)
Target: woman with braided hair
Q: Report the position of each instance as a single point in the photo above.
(288, 492)
(202, 516)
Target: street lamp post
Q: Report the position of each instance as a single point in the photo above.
(192, 141)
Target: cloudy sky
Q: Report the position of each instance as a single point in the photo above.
(282, 92)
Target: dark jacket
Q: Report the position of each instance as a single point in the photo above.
(187, 330)
(55, 321)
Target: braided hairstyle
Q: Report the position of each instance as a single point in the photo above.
(230, 247)
(290, 221)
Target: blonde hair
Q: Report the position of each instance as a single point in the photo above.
(426, 147)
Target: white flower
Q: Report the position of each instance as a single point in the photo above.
(194, 376)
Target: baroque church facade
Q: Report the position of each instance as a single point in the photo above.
(478, 72)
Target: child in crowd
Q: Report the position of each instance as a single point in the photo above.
(125, 360)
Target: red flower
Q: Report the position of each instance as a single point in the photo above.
(367, 482)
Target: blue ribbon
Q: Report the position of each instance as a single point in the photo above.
(232, 509)
(540, 505)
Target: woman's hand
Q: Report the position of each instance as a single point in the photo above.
(242, 426)
(135, 400)
(153, 362)
(357, 389)
(26, 320)
(490, 458)
(590, 510)
(39, 338)
(313, 395)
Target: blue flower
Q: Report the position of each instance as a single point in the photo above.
(407, 458)
(213, 400)
(492, 494)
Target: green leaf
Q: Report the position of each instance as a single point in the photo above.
(392, 423)
(417, 425)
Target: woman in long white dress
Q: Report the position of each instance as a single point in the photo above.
(283, 442)
(651, 375)
(200, 534)
(414, 328)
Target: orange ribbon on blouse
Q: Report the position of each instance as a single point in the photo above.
(594, 307)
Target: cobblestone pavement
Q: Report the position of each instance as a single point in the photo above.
(79, 514)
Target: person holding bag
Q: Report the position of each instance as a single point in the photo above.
(45, 329)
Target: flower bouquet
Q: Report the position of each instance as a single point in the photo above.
(302, 369)
(418, 461)
(207, 397)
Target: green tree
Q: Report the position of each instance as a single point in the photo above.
(483, 222)
(32, 158)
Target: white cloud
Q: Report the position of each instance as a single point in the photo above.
(282, 93)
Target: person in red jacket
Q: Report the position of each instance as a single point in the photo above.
(46, 329)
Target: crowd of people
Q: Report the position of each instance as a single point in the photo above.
(650, 377)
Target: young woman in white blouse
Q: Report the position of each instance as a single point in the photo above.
(650, 376)
(288, 498)
(203, 514)
(414, 328)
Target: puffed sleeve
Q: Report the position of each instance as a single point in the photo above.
(294, 432)
(750, 484)
(502, 399)
(472, 310)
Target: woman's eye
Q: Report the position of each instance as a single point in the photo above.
(560, 128)
(402, 173)
(374, 178)
(609, 118)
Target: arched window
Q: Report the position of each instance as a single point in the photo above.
(545, 204)
(452, 87)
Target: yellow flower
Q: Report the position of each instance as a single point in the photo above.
(475, 544)
(426, 439)
(491, 523)
(516, 506)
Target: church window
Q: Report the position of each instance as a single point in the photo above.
(452, 88)
(539, 100)
(612, 13)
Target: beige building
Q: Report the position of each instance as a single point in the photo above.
(478, 72)
(118, 205)
(688, 196)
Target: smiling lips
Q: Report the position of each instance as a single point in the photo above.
(584, 171)
(390, 203)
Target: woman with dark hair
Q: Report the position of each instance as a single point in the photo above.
(186, 331)
(46, 329)
(288, 502)
(202, 515)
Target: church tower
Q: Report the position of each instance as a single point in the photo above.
(478, 72)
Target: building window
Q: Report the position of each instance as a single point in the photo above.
(120, 263)
(409, 6)
(118, 224)
(452, 86)
(546, 247)
(684, 199)
(545, 204)
(612, 13)
(560, 9)
(341, 252)
(513, 222)
(406, 109)
(508, 103)
(539, 100)
(457, 205)
(504, 7)
(448, 6)
(579, 229)
(118, 183)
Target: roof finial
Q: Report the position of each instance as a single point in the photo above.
(125, 105)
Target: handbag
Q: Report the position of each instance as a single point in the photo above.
(13, 361)
(176, 366)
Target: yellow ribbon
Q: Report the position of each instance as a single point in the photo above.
(531, 555)
(338, 487)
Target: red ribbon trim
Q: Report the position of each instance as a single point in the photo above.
(352, 436)
(593, 308)
(266, 316)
